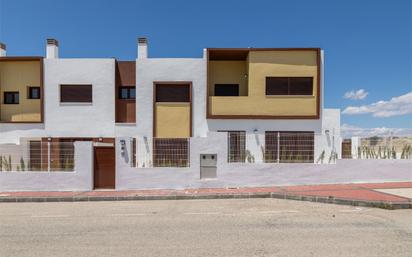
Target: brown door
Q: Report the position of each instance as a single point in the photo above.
(104, 167)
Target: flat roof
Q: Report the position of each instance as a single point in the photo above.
(238, 54)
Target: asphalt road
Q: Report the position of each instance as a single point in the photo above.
(246, 227)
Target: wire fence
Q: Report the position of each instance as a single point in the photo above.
(377, 147)
(278, 147)
(384, 152)
(37, 156)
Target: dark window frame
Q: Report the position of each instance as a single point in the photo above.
(14, 93)
(80, 98)
(292, 86)
(30, 93)
(129, 94)
(172, 93)
(229, 86)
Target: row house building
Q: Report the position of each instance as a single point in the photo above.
(92, 123)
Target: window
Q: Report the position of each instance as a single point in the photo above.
(75, 93)
(172, 93)
(127, 93)
(289, 85)
(34, 93)
(226, 89)
(11, 98)
(301, 86)
(236, 146)
(277, 86)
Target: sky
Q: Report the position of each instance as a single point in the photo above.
(367, 43)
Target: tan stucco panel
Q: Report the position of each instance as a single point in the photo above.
(172, 120)
(278, 106)
(18, 76)
(262, 64)
(228, 72)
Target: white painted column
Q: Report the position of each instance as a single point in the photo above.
(2, 50)
(255, 143)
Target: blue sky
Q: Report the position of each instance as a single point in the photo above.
(368, 43)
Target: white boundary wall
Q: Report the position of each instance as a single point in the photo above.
(81, 179)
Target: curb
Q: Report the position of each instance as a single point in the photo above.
(276, 195)
(341, 201)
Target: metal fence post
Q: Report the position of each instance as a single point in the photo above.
(278, 147)
(48, 156)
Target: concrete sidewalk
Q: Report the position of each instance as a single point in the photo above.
(363, 194)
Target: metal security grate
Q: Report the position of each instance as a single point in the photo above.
(289, 147)
(271, 146)
(236, 146)
(171, 152)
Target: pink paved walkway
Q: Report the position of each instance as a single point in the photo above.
(355, 192)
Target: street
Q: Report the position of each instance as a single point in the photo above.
(244, 227)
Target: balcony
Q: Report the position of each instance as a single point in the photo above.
(21, 89)
(250, 83)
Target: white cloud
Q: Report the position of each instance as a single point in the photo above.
(396, 106)
(356, 95)
(350, 130)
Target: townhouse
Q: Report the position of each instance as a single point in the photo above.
(105, 123)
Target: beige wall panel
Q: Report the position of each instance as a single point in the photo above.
(18, 76)
(172, 120)
(228, 72)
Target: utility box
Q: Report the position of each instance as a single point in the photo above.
(208, 166)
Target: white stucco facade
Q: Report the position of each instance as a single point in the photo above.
(80, 119)
(94, 119)
(97, 120)
(149, 71)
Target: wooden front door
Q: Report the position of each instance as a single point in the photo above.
(104, 167)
